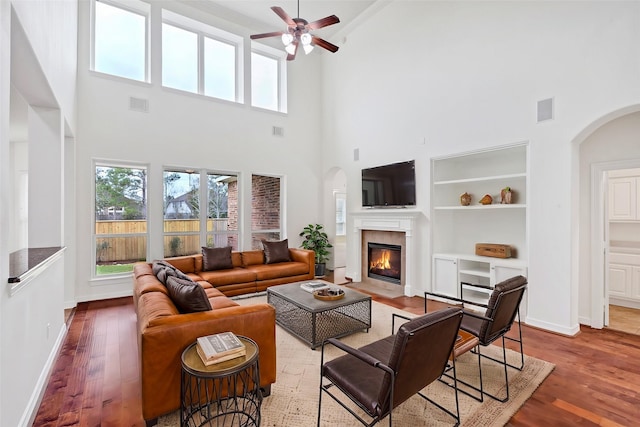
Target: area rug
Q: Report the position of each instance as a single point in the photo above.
(294, 396)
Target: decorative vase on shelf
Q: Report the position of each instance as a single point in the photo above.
(505, 196)
(486, 200)
(465, 199)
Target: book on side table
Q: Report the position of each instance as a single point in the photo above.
(220, 347)
(313, 286)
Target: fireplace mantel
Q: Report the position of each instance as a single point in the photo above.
(400, 220)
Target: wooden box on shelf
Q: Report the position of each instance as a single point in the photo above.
(493, 250)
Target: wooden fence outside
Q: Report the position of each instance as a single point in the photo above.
(129, 249)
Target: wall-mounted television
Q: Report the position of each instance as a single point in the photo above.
(392, 185)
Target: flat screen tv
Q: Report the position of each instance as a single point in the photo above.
(392, 185)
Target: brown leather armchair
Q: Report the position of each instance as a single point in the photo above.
(380, 376)
(501, 311)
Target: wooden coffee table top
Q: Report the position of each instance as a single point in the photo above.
(465, 343)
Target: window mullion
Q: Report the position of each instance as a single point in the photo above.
(201, 63)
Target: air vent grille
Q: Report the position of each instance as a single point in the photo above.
(278, 131)
(545, 110)
(139, 104)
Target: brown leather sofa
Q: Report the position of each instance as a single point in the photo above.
(164, 332)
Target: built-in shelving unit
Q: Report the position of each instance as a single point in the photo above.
(457, 271)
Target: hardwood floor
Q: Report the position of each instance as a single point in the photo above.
(624, 319)
(95, 381)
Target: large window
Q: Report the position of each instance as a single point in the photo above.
(120, 233)
(266, 209)
(188, 227)
(199, 58)
(268, 79)
(120, 42)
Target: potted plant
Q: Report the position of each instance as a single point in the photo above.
(316, 239)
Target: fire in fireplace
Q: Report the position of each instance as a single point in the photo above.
(384, 262)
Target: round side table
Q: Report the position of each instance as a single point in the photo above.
(223, 394)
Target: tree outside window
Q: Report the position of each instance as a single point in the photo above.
(120, 218)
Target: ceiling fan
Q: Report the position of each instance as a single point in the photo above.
(299, 33)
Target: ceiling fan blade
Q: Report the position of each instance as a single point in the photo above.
(292, 56)
(264, 35)
(282, 14)
(324, 22)
(324, 44)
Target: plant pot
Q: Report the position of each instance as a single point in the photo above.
(320, 270)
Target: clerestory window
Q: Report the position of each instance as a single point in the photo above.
(120, 38)
(201, 59)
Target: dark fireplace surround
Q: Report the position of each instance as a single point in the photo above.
(384, 262)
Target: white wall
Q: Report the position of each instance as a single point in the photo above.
(187, 130)
(31, 320)
(424, 79)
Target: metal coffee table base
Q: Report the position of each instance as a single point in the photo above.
(316, 325)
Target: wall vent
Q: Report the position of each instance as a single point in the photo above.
(277, 131)
(139, 104)
(545, 110)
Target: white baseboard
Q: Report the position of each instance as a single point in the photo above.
(31, 410)
(552, 327)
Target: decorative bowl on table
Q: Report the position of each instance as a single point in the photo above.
(330, 294)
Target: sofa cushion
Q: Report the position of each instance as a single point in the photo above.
(228, 277)
(216, 258)
(276, 271)
(184, 263)
(163, 270)
(187, 295)
(275, 252)
(252, 257)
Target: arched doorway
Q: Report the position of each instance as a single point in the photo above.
(610, 144)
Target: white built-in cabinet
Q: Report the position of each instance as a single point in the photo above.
(456, 270)
(624, 196)
(624, 279)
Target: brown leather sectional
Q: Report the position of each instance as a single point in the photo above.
(164, 332)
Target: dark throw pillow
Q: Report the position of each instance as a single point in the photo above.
(163, 270)
(187, 295)
(276, 251)
(216, 258)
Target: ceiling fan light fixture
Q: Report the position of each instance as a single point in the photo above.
(290, 48)
(287, 38)
(305, 39)
(307, 48)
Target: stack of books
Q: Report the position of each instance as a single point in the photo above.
(313, 286)
(220, 347)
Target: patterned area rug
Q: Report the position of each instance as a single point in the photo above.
(294, 396)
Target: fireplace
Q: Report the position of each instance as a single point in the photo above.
(385, 262)
(391, 227)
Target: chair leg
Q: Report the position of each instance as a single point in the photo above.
(455, 388)
(480, 396)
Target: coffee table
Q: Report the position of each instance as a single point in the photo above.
(313, 320)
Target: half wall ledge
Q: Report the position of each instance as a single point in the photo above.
(28, 263)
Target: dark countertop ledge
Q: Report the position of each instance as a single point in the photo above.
(24, 260)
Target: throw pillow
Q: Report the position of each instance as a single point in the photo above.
(163, 270)
(276, 251)
(216, 258)
(187, 295)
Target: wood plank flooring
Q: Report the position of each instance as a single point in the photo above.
(95, 381)
(624, 319)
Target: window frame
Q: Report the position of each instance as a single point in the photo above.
(94, 236)
(281, 57)
(282, 220)
(132, 6)
(202, 31)
(203, 217)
